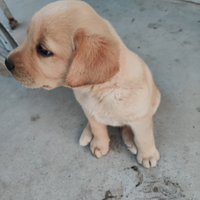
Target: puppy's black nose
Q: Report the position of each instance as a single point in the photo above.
(9, 64)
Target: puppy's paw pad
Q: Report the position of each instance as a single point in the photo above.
(148, 158)
(99, 148)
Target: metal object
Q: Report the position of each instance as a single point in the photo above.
(13, 23)
(7, 42)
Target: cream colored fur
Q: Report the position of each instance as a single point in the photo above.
(117, 87)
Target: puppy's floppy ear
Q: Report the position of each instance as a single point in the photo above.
(95, 61)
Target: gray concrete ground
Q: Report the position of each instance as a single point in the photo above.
(40, 157)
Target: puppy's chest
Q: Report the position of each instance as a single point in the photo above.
(106, 110)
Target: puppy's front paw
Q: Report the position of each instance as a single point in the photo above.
(99, 147)
(148, 157)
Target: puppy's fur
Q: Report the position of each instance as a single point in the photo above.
(112, 84)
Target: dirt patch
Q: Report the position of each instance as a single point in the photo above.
(178, 31)
(3, 185)
(108, 195)
(155, 189)
(114, 194)
(139, 175)
(177, 60)
(35, 118)
(153, 25)
(163, 188)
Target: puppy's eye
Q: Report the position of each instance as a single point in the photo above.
(44, 51)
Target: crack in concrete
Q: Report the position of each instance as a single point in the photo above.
(192, 2)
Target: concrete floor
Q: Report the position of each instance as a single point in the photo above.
(40, 157)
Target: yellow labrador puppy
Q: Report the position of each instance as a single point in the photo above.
(69, 44)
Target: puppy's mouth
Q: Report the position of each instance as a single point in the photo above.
(47, 87)
(27, 80)
(24, 78)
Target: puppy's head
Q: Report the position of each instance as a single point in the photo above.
(67, 44)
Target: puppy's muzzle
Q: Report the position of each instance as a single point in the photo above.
(9, 64)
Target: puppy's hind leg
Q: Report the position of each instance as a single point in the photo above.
(86, 136)
(128, 137)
